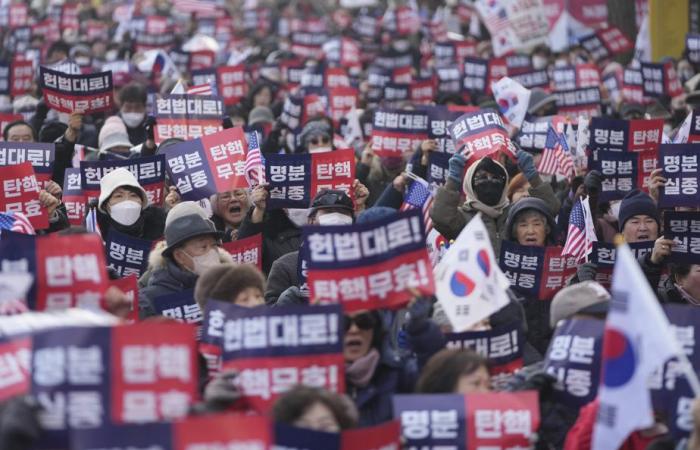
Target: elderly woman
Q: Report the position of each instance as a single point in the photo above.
(229, 209)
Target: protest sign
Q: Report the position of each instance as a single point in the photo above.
(518, 64)
(500, 420)
(604, 256)
(128, 286)
(532, 79)
(395, 132)
(452, 53)
(514, 25)
(502, 347)
(579, 102)
(69, 271)
(187, 116)
(341, 100)
(294, 180)
(231, 83)
(575, 77)
(87, 377)
(40, 155)
(86, 94)
(450, 81)
(536, 272)
(620, 172)
(692, 47)
(20, 193)
(633, 87)
(438, 168)
(625, 135)
(276, 349)
(660, 80)
(480, 134)
(533, 132)
(179, 306)
(367, 266)
(512, 98)
(479, 74)
(573, 358)
(612, 82)
(423, 90)
(385, 436)
(213, 163)
(606, 42)
(680, 168)
(246, 251)
(16, 79)
(470, 286)
(127, 255)
(149, 171)
(684, 229)
(73, 198)
(439, 120)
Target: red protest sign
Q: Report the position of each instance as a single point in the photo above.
(422, 90)
(249, 432)
(84, 93)
(246, 251)
(20, 193)
(645, 135)
(341, 101)
(384, 436)
(71, 271)
(187, 116)
(129, 286)
(502, 419)
(587, 75)
(231, 83)
(333, 170)
(14, 359)
(22, 76)
(395, 132)
(154, 373)
(336, 77)
(226, 152)
(480, 134)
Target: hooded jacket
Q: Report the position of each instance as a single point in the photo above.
(165, 277)
(530, 203)
(449, 217)
(150, 225)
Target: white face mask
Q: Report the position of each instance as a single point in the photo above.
(539, 62)
(334, 218)
(125, 213)
(320, 150)
(205, 262)
(132, 119)
(83, 61)
(299, 216)
(111, 55)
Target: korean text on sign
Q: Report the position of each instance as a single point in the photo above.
(77, 93)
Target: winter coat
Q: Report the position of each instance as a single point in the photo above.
(374, 401)
(280, 235)
(150, 225)
(283, 274)
(165, 277)
(376, 177)
(449, 217)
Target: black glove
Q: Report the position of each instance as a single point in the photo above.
(222, 392)
(227, 123)
(291, 296)
(149, 125)
(587, 271)
(593, 181)
(418, 315)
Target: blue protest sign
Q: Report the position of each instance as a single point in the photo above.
(127, 255)
(680, 168)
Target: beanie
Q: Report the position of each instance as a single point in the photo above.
(634, 204)
(314, 128)
(113, 134)
(225, 281)
(260, 114)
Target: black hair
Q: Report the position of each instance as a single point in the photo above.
(58, 46)
(442, 372)
(678, 271)
(133, 92)
(294, 403)
(6, 130)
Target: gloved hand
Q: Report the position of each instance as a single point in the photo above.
(587, 271)
(456, 168)
(526, 164)
(418, 315)
(222, 392)
(291, 296)
(593, 181)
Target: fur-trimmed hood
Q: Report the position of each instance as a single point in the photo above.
(157, 260)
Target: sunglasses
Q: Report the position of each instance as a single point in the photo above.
(320, 140)
(363, 321)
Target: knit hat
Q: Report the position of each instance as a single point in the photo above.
(538, 99)
(634, 204)
(113, 134)
(185, 209)
(186, 227)
(260, 114)
(225, 281)
(119, 177)
(314, 128)
(587, 297)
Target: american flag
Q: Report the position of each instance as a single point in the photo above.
(556, 157)
(419, 195)
(201, 89)
(254, 165)
(581, 234)
(91, 221)
(17, 222)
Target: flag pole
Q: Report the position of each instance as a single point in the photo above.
(687, 367)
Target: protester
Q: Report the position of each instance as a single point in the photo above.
(315, 409)
(242, 285)
(461, 371)
(228, 211)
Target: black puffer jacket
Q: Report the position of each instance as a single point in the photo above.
(150, 225)
(280, 235)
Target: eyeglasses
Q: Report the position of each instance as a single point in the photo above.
(364, 321)
(320, 140)
(226, 196)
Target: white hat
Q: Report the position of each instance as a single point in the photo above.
(117, 178)
(113, 134)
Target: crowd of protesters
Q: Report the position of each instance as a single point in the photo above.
(386, 352)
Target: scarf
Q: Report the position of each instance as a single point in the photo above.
(359, 372)
(472, 203)
(686, 296)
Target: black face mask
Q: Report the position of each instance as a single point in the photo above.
(489, 192)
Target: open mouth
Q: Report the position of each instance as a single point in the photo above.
(353, 343)
(234, 209)
(531, 241)
(643, 237)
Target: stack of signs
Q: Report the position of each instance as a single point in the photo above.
(20, 194)
(474, 421)
(671, 394)
(149, 171)
(480, 134)
(395, 132)
(603, 257)
(606, 42)
(195, 432)
(536, 272)
(40, 155)
(87, 377)
(69, 271)
(573, 358)
(680, 168)
(579, 102)
(382, 264)
(187, 116)
(213, 163)
(73, 198)
(68, 93)
(127, 255)
(246, 251)
(684, 229)
(294, 180)
(276, 349)
(660, 80)
(575, 77)
(502, 347)
(625, 152)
